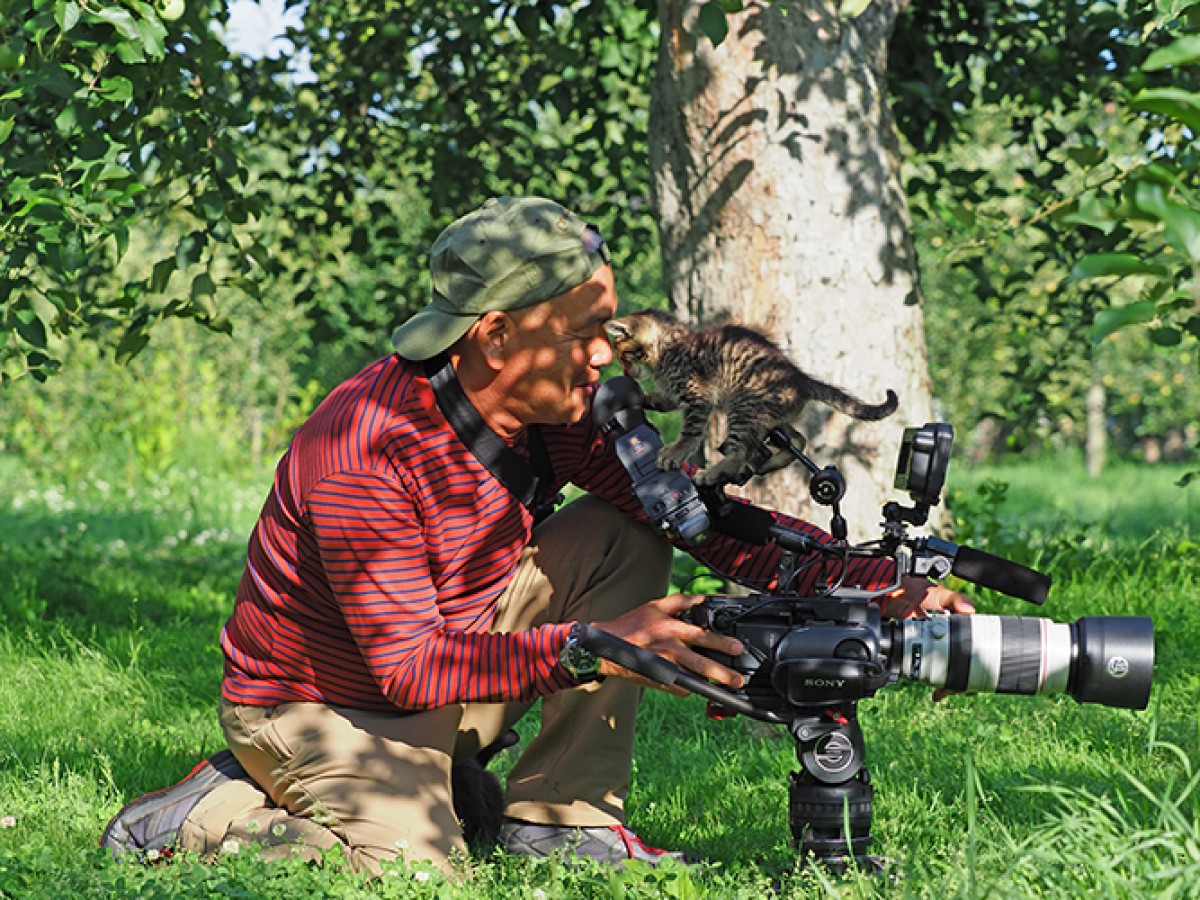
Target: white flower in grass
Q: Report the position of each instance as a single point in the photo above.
(8, 821)
(421, 876)
(231, 846)
(279, 829)
(539, 894)
(153, 855)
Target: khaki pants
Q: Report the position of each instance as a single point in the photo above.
(378, 784)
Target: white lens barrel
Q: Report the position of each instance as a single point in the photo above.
(988, 654)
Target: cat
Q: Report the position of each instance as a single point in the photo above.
(479, 796)
(478, 803)
(730, 368)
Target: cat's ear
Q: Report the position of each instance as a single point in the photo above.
(617, 330)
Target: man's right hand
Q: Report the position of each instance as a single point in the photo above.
(656, 626)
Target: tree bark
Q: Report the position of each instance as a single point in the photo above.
(776, 179)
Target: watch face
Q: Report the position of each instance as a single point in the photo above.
(579, 662)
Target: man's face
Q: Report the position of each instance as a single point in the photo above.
(560, 346)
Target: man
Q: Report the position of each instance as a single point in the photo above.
(402, 606)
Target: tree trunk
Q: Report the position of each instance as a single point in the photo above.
(776, 179)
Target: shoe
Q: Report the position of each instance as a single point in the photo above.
(147, 829)
(606, 844)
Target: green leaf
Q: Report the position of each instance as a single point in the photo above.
(1166, 336)
(852, 9)
(56, 80)
(1181, 223)
(131, 53)
(66, 14)
(1099, 265)
(122, 20)
(1184, 51)
(43, 309)
(529, 22)
(1111, 320)
(261, 255)
(1087, 156)
(189, 249)
(713, 23)
(119, 89)
(67, 120)
(33, 332)
(1090, 211)
(133, 342)
(121, 237)
(6, 127)
(203, 286)
(1177, 103)
(10, 59)
(152, 31)
(161, 274)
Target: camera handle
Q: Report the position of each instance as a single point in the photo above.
(657, 668)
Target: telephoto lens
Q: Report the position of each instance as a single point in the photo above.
(1097, 659)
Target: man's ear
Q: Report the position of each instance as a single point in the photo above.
(491, 334)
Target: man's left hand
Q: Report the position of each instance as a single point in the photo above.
(918, 596)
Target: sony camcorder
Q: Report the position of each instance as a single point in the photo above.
(809, 659)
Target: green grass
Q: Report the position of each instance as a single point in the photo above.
(111, 600)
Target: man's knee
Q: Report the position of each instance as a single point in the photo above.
(593, 526)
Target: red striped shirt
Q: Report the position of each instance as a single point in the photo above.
(374, 568)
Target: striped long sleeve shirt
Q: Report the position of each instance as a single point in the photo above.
(373, 571)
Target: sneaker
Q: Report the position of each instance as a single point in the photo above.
(147, 828)
(606, 844)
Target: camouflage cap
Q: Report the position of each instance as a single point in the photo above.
(510, 253)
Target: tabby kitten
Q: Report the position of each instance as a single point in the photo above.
(729, 368)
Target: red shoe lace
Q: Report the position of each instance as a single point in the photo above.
(632, 839)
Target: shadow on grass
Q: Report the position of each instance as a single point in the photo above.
(113, 568)
(114, 667)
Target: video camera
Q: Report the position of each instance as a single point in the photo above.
(809, 659)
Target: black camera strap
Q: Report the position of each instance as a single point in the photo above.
(530, 482)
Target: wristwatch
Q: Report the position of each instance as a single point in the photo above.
(581, 663)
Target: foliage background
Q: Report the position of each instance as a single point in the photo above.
(287, 200)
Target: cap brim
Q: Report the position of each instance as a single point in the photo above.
(429, 333)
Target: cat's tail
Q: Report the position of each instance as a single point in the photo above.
(857, 409)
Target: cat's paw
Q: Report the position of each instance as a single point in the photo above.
(672, 456)
(732, 469)
(659, 402)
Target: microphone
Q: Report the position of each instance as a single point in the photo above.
(669, 498)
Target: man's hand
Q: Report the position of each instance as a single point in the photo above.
(918, 596)
(655, 626)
